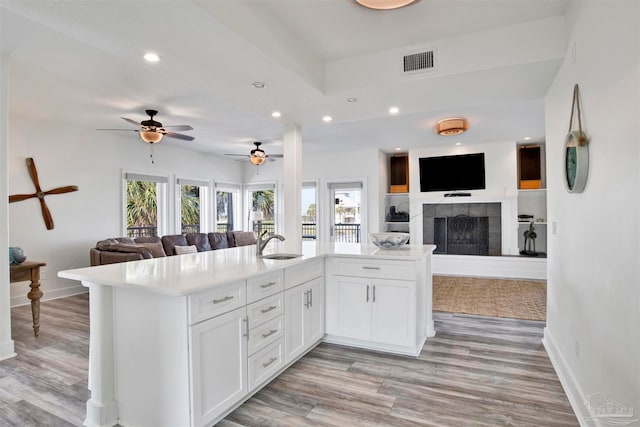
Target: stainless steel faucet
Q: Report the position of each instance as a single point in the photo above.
(261, 243)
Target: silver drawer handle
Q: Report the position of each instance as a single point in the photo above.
(266, 310)
(218, 301)
(371, 268)
(268, 334)
(268, 285)
(265, 364)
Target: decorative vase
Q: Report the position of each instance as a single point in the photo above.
(16, 256)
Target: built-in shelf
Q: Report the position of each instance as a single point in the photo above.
(400, 204)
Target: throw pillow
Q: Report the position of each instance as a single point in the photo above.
(155, 248)
(181, 250)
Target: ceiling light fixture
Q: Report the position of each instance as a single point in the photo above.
(151, 57)
(526, 138)
(451, 126)
(327, 119)
(150, 136)
(385, 4)
(258, 156)
(394, 110)
(259, 85)
(276, 114)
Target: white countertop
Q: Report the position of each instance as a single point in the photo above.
(186, 274)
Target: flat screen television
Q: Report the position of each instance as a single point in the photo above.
(452, 173)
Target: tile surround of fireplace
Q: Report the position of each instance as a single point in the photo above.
(463, 228)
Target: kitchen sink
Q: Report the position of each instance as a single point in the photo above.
(281, 256)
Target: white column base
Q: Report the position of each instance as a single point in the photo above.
(7, 350)
(100, 415)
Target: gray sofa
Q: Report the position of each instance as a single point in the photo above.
(122, 249)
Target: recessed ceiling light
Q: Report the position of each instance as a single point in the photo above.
(526, 138)
(151, 57)
(352, 99)
(394, 110)
(259, 85)
(458, 143)
(398, 148)
(276, 114)
(327, 119)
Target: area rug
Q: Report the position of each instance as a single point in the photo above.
(518, 299)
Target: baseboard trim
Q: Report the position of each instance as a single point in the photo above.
(567, 379)
(50, 294)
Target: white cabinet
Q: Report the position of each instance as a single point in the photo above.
(304, 307)
(377, 304)
(378, 310)
(218, 369)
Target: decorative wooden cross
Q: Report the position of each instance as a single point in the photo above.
(46, 214)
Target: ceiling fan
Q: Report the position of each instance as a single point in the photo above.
(152, 131)
(257, 155)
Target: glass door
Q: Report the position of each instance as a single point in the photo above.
(347, 212)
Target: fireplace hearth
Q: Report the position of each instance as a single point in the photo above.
(463, 228)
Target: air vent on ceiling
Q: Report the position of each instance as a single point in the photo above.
(419, 62)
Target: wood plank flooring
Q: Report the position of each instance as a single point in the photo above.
(46, 384)
(477, 371)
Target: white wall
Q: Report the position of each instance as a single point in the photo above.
(593, 275)
(358, 165)
(72, 154)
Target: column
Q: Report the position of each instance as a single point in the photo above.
(292, 187)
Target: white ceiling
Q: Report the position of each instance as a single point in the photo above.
(80, 62)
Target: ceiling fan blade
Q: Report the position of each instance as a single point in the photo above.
(34, 173)
(133, 122)
(61, 190)
(126, 130)
(46, 214)
(240, 155)
(21, 197)
(276, 156)
(180, 127)
(179, 136)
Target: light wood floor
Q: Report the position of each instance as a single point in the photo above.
(477, 371)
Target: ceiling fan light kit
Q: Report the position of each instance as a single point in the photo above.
(451, 126)
(257, 156)
(385, 4)
(150, 136)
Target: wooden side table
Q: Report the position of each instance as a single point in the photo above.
(30, 271)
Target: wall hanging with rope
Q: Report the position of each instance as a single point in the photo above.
(576, 150)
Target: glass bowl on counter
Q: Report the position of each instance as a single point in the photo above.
(393, 240)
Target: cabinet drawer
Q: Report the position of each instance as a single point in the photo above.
(383, 269)
(217, 301)
(265, 363)
(265, 334)
(266, 309)
(303, 272)
(264, 285)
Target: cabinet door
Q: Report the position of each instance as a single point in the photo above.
(294, 306)
(393, 303)
(354, 307)
(219, 365)
(314, 314)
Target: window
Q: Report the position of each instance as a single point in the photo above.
(227, 209)
(145, 205)
(347, 216)
(261, 212)
(309, 211)
(192, 196)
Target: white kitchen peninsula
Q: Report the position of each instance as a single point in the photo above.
(183, 340)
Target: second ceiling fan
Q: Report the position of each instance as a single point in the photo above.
(257, 155)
